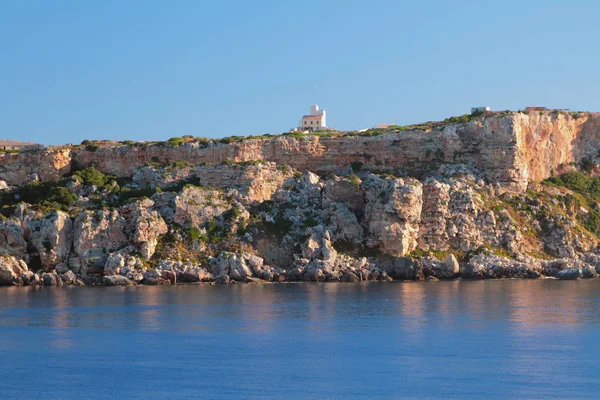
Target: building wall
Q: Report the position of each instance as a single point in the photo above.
(306, 123)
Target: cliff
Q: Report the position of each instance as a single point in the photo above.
(434, 201)
(509, 149)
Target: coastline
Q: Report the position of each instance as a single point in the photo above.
(430, 201)
(480, 267)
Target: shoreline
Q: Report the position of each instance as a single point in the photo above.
(244, 269)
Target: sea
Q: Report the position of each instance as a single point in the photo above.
(496, 339)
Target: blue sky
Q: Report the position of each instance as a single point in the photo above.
(151, 70)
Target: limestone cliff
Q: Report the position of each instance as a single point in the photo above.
(509, 149)
(436, 201)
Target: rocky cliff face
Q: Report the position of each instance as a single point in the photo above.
(454, 201)
(509, 149)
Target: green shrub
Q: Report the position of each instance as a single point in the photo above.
(91, 176)
(346, 247)
(416, 254)
(176, 141)
(48, 194)
(231, 214)
(576, 181)
(355, 181)
(194, 233)
(586, 164)
(127, 195)
(356, 166)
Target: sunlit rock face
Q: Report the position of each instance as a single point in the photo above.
(509, 149)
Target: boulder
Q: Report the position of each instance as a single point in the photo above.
(233, 265)
(348, 276)
(195, 274)
(68, 277)
(570, 274)
(451, 264)
(401, 268)
(222, 279)
(11, 270)
(51, 279)
(117, 280)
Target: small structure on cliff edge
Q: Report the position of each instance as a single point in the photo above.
(6, 144)
(315, 121)
(530, 109)
(476, 110)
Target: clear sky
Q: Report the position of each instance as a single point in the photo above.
(151, 70)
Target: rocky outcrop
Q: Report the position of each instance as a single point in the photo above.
(143, 226)
(95, 234)
(510, 149)
(392, 213)
(195, 206)
(444, 202)
(45, 165)
(12, 240)
(11, 270)
(51, 238)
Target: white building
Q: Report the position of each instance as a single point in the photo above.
(480, 109)
(315, 121)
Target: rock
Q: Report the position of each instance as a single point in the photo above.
(51, 237)
(233, 265)
(117, 280)
(143, 226)
(195, 274)
(170, 276)
(314, 275)
(432, 278)
(68, 277)
(154, 277)
(28, 277)
(222, 279)
(12, 242)
(195, 206)
(589, 271)
(484, 266)
(451, 264)
(114, 263)
(61, 268)
(393, 213)
(11, 270)
(349, 277)
(343, 224)
(570, 274)
(401, 268)
(95, 234)
(51, 279)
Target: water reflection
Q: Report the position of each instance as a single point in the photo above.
(503, 339)
(527, 306)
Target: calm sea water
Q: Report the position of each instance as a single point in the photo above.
(488, 339)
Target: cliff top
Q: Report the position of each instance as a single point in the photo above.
(424, 127)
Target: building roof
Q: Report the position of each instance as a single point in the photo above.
(313, 117)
